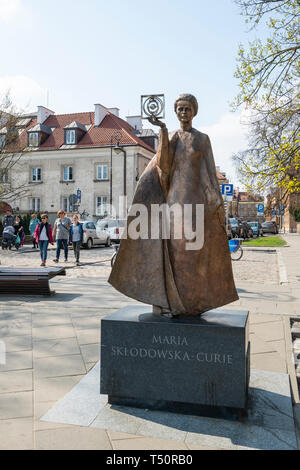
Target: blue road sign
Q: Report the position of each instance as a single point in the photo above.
(227, 189)
(79, 194)
(260, 208)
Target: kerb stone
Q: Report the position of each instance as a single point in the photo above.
(151, 359)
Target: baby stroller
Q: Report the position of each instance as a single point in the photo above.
(9, 238)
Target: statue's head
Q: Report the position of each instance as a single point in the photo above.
(186, 107)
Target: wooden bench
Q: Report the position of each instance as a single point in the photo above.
(28, 281)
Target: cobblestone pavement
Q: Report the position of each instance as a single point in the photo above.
(256, 265)
(253, 265)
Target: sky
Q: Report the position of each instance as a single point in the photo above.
(71, 54)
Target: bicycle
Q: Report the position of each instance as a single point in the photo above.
(236, 251)
(116, 247)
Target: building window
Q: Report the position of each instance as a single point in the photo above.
(102, 172)
(70, 137)
(65, 204)
(2, 140)
(33, 139)
(101, 205)
(68, 173)
(36, 174)
(35, 204)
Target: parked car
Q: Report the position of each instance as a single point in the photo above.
(247, 232)
(114, 228)
(256, 228)
(270, 227)
(237, 228)
(229, 230)
(93, 235)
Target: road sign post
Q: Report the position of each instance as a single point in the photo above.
(227, 192)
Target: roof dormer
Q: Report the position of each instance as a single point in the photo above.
(38, 134)
(73, 133)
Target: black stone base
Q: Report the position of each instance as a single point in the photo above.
(221, 412)
(198, 365)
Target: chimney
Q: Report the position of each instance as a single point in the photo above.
(100, 113)
(114, 111)
(135, 122)
(43, 114)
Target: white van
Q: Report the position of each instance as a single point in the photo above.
(114, 227)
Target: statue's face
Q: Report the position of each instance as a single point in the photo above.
(184, 111)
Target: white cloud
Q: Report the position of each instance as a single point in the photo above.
(9, 9)
(228, 136)
(26, 94)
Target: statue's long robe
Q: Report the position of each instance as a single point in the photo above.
(162, 272)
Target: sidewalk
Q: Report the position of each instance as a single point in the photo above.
(52, 343)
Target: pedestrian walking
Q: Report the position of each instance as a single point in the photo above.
(9, 219)
(19, 229)
(43, 236)
(76, 237)
(61, 229)
(32, 226)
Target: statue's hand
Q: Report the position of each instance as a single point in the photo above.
(156, 122)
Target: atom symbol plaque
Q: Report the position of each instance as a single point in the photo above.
(152, 106)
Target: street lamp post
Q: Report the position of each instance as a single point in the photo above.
(115, 137)
(118, 149)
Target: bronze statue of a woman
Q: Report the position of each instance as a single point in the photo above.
(162, 272)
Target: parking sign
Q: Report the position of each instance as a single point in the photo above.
(227, 189)
(260, 208)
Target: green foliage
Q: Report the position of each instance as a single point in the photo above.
(268, 74)
(295, 212)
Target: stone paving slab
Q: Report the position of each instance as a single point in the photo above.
(16, 405)
(16, 434)
(16, 381)
(59, 366)
(270, 424)
(55, 347)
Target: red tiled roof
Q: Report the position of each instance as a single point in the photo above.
(94, 137)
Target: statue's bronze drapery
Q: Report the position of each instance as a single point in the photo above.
(162, 272)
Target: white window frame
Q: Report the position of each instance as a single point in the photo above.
(36, 174)
(102, 172)
(33, 139)
(70, 136)
(65, 203)
(35, 204)
(67, 170)
(101, 205)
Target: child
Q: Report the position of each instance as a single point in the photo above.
(43, 235)
(76, 237)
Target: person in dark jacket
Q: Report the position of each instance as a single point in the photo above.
(43, 236)
(19, 229)
(9, 219)
(76, 237)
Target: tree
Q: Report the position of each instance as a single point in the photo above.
(268, 74)
(295, 212)
(11, 150)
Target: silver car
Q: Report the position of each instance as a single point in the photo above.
(93, 236)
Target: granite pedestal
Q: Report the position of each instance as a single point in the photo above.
(180, 364)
